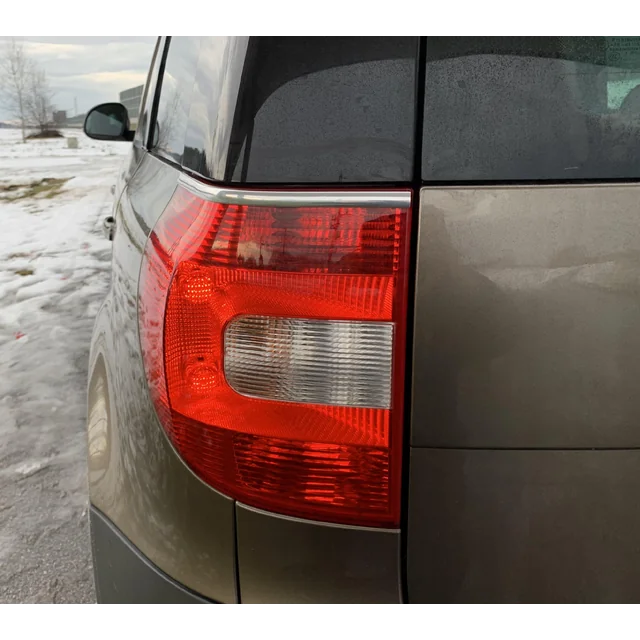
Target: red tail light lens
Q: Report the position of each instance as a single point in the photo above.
(273, 339)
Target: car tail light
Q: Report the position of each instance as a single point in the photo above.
(273, 336)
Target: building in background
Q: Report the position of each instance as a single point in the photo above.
(75, 122)
(59, 118)
(131, 99)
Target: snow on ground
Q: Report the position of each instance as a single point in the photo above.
(54, 272)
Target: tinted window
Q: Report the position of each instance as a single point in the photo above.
(325, 110)
(175, 96)
(532, 108)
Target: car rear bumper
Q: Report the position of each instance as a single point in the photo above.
(123, 575)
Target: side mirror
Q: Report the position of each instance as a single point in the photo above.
(108, 121)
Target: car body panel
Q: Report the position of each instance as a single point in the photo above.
(524, 396)
(124, 575)
(526, 314)
(184, 527)
(523, 526)
(287, 560)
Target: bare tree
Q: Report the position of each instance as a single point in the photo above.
(15, 74)
(167, 115)
(39, 97)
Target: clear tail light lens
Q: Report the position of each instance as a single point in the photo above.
(326, 362)
(273, 338)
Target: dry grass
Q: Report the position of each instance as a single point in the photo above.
(45, 188)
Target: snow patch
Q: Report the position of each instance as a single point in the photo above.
(29, 468)
(54, 275)
(45, 287)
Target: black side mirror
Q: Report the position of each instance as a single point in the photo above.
(108, 121)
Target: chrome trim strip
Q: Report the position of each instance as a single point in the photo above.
(225, 195)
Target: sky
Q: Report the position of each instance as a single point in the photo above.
(92, 69)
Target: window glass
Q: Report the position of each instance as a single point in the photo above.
(175, 96)
(142, 127)
(326, 110)
(531, 108)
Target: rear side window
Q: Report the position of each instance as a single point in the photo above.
(532, 108)
(325, 110)
(142, 129)
(175, 96)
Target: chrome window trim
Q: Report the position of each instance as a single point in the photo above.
(290, 198)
